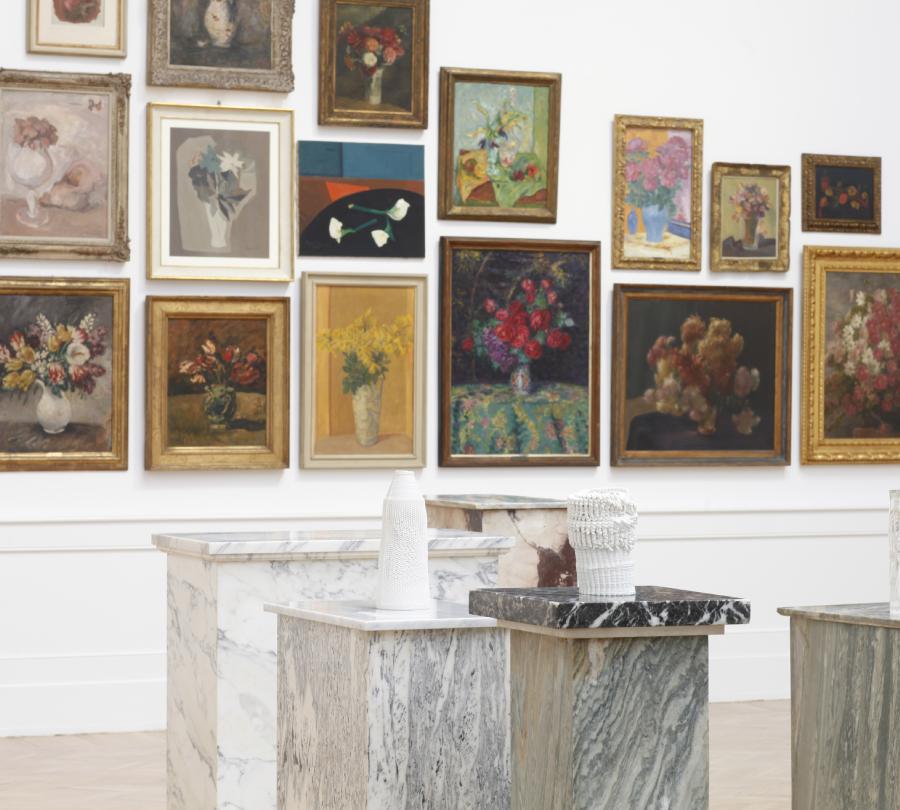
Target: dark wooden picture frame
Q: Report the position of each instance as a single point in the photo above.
(822, 193)
(451, 208)
(697, 342)
(539, 293)
(363, 112)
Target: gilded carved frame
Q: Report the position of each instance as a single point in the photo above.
(621, 125)
(811, 221)
(782, 261)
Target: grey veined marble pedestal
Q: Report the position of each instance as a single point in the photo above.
(609, 698)
(845, 707)
(541, 557)
(221, 645)
(391, 710)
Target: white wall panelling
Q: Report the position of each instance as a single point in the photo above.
(82, 616)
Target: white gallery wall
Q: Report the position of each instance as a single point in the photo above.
(82, 593)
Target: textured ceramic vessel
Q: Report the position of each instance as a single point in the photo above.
(602, 529)
(403, 556)
(895, 552)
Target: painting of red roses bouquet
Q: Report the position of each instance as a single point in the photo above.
(862, 366)
(519, 352)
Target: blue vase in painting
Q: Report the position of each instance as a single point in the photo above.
(656, 218)
(632, 222)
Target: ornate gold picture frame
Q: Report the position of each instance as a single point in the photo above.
(851, 346)
(364, 370)
(79, 28)
(221, 44)
(373, 63)
(751, 218)
(657, 193)
(63, 374)
(64, 137)
(499, 145)
(218, 372)
(841, 193)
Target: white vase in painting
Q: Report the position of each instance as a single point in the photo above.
(219, 228)
(54, 412)
(31, 169)
(220, 21)
(403, 556)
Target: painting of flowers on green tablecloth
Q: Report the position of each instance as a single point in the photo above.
(519, 352)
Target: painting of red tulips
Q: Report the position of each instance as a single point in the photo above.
(519, 352)
(841, 193)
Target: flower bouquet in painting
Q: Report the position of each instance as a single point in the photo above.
(862, 376)
(700, 379)
(222, 370)
(513, 333)
(380, 226)
(654, 177)
(30, 165)
(369, 50)
(367, 347)
(77, 11)
(217, 180)
(750, 204)
(58, 359)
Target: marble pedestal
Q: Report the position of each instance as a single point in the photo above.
(845, 707)
(391, 710)
(609, 700)
(541, 556)
(222, 646)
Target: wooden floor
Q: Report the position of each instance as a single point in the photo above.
(750, 765)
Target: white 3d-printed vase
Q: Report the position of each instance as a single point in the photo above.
(602, 530)
(894, 539)
(403, 557)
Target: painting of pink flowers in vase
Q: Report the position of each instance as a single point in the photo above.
(63, 382)
(55, 154)
(702, 375)
(862, 356)
(657, 206)
(519, 352)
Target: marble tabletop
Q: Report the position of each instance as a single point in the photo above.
(566, 609)
(871, 614)
(317, 543)
(487, 502)
(362, 615)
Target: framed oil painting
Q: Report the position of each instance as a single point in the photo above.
(63, 374)
(364, 343)
(64, 166)
(373, 63)
(701, 376)
(222, 44)
(77, 27)
(657, 195)
(221, 193)
(851, 356)
(362, 199)
(519, 352)
(499, 145)
(841, 193)
(751, 218)
(217, 383)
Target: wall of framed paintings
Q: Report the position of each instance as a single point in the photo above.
(679, 81)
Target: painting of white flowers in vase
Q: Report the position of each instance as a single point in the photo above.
(364, 344)
(61, 374)
(222, 194)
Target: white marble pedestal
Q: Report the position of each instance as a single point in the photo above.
(391, 710)
(541, 556)
(221, 645)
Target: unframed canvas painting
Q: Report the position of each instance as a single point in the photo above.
(217, 382)
(55, 154)
(362, 199)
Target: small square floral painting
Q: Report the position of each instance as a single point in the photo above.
(841, 193)
(519, 348)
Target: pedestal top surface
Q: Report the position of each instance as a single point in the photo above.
(566, 609)
(489, 502)
(362, 615)
(871, 614)
(315, 543)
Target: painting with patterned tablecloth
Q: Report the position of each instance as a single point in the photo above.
(519, 352)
